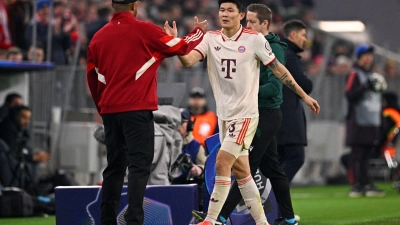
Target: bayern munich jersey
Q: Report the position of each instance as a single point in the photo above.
(234, 70)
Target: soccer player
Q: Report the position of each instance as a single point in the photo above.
(264, 153)
(234, 55)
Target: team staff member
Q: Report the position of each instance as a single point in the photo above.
(123, 58)
(292, 135)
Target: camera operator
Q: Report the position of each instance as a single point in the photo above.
(192, 159)
(14, 133)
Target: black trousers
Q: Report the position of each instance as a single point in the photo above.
(359, 164)
(291, 158)
(265, 157)
(129, 139)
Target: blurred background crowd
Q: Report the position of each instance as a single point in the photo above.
(78, 20)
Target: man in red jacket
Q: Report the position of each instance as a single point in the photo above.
(123, 58)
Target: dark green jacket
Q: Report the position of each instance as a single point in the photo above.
(270, 90)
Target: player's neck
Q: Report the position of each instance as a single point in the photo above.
(265, 32)
(229, 32)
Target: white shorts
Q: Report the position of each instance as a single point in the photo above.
(236, 135)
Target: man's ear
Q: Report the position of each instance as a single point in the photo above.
(242, 15)
(266, 23)
(134, 6)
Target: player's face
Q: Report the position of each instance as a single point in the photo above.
(229, 15)
(299, 38)
(253, 23)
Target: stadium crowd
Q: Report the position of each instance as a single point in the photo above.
(87, 16)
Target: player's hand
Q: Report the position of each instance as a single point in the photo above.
(173, 31)
(312, 103)
(202, 25)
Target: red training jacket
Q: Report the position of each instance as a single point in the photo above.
(122, 61)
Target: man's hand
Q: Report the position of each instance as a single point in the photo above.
(202, 25)
(41, 156)
(173, 31)
(312, 103)
(195, 171)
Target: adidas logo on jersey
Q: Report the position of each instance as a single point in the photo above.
(217, 48)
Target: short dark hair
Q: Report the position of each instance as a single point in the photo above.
(13, 51)
(10, 97)
(238, 3)
(15, 111)
(293, 25)
(263, 12)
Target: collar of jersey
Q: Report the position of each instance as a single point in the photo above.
(235, 37)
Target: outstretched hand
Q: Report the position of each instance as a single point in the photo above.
(313, 104)
(202, 25)
(173, 31)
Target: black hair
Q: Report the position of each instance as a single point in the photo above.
(10, 97)
(293, 25)
(238, 3)
(16, 111)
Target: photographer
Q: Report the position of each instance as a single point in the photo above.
(14, 133)
(192, 159)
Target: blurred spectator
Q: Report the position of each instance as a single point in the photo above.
(12, 100)
(363, 120)
(19, 14)
(5, 39)
(14, 54)
(341, 66)
(36, 54)
(315, 67)
(205, 120)
(103, 14)
(60, 38)
(3, 54)
(14, 132)
(194, 149)
(390, 69)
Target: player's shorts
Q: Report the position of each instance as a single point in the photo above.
(236, 135)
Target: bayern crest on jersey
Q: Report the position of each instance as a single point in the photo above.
(241, 49)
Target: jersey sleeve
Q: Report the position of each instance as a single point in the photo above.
(164, 45)
(92, 78)
(202, 48)
(263, 50)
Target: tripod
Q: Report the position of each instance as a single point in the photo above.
(21, 173)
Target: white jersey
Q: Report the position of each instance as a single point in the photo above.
(234, 70)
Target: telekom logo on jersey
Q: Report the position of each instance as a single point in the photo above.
(228, 66)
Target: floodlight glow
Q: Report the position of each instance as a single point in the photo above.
(341, 26)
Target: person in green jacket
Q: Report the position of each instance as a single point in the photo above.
(264, 154)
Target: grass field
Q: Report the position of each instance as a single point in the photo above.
(327, 205)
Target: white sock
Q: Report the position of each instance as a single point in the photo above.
(218, 196)
(251, 197)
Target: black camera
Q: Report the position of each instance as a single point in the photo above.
(184, 162)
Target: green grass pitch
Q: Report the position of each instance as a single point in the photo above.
(327, 205)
